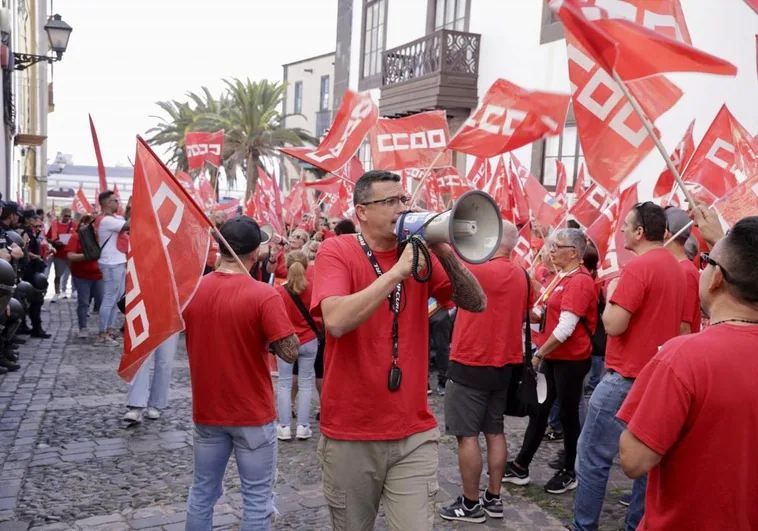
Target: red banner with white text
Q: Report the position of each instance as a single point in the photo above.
(204, 147)
(417, 141)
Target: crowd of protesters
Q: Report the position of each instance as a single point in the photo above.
(628, 367)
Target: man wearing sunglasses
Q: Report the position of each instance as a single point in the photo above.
(644, 310)
(380, 439)
(692, 413)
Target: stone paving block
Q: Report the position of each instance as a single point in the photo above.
(111, 453)
(7, 503)
(9, 491)
(174, 527)
(52, 527)
(312, 503)
(152, 521)
(173, 445)
(100, 520)
(76, 458)
(14, 526)
(225, 519)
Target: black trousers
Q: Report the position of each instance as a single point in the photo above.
(440, 335)
(35, 315)
(565, 381)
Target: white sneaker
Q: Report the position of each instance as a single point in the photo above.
(107, 341)
(304, 432)
(55, 299)
(152, 413)
(134, 415)
(83, 334)
(283, 433)
(64, 296)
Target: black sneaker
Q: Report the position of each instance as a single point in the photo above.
(553, 436)
(457, 511)
(8, 364)
(41, 334)
(493, 508)
(516, 475)
(625, 499)
(562, 481)
(560, 460)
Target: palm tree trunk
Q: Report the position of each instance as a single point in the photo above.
(253, 163)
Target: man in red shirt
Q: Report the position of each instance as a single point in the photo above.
(219, 218)
(676, 221)
(59, 235)
(230, 323)
(644, 310)
(86, 276)
(692, 415)
(479, 374)
(379, 437)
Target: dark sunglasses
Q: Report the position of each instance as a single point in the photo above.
(706, 260)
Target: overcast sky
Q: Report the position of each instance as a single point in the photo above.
(124, 56)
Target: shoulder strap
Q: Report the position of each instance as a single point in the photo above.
(303, 310)
(527, 320)
(583, 319)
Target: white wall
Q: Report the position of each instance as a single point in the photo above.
(511, 49)
(322, 66)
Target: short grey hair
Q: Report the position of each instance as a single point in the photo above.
(510, 237)
(573, 237)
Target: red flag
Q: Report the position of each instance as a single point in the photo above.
(713, 164)
(329, 185)
(521, 171)
(297, 202)
(205, 193)
(535, 194)
(355, 118)
(229, 208)
(120, 210)
(186, 181)
(510, 117)
(417, 141)
(152, 305)
(740, 202)
(80, 203)
(98, 155)
(480, 173)
(522, 253)
(579, 183)
(451, 183)
(184, 226)
(561, 184)
(204, 147)
(681, 156)
(590, 205)
(608, 237)
(352, 171)
(519, 203)
(268, 204)
(753, 4)
(630, 49)
(496, 188)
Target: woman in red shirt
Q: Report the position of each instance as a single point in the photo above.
(297, 289)
(567, 311)
(86, 276)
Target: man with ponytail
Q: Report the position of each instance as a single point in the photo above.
(296, 293)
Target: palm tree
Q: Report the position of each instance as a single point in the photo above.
(170, 131)
(253, 125)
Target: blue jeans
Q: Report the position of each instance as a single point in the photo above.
(114, 285)
(596, 373)
(555, 423)
(306, 357)
(143, 392)
(86, 289)
(598, 445)
(255, 451)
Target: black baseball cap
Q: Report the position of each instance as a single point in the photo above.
(242, 234)
(10, 207)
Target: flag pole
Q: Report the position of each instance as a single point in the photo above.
(681, 231)
(651, 133)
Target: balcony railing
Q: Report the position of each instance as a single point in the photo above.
(444, 51)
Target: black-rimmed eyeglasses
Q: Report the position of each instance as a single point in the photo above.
(391, 202)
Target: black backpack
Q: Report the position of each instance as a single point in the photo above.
(88, 239)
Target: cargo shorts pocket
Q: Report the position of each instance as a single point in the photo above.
(433, 488)
(335, 500)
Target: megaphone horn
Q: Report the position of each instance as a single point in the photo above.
(269, 235)
(473, 227)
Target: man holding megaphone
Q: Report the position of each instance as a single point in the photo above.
(380, 439)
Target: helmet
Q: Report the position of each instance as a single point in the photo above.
(39, 285)
(24, 290)
(17, 309)
(7, 276)
(14, 237)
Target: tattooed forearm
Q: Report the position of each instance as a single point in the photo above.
(467, 293)
(286, 348)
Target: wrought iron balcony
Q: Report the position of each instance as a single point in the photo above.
(437, 71)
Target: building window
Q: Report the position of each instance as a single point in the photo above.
(299, 97)
(374, 34)
(565, 148)
(448, 14)
(324, 95)
(552, 29)
(364, 154)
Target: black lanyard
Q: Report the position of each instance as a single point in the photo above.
(393, 298)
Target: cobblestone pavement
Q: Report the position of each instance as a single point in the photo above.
(68, 462)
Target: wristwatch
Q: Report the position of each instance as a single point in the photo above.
(538, 355)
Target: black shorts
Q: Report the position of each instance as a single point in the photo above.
(469, 411)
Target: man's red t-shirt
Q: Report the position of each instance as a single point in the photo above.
(493, 338)
(652, 288)
(88, 269)
(303, 330)
(692, 313)
(575, 293)
(57, 229)
(229, 323)
(356, 401)
(696, 404)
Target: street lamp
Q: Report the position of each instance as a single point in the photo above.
(58, 33)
